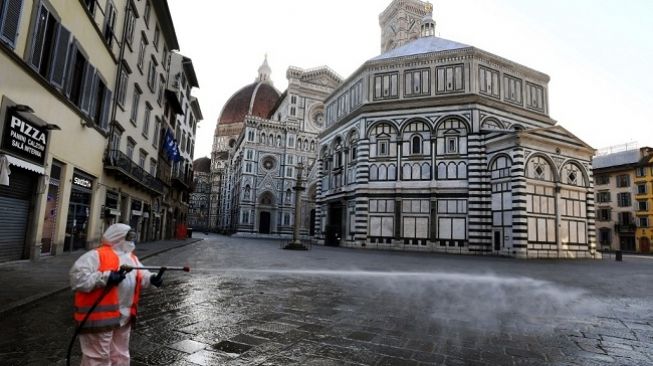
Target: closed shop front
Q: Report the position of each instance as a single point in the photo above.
(15, 205)
(22, 157)
(78, 211)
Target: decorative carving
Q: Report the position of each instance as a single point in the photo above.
(527, 153)
(558, 161)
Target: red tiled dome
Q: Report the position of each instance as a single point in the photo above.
(257, 99)
(202, 165)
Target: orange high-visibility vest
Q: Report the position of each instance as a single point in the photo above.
(106, 315)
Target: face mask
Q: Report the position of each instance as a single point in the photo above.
(127, 246)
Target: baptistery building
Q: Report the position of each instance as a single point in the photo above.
(435, 145)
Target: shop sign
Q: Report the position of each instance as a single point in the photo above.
(25, 139)
(82, 182)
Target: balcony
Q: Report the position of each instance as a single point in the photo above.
(126, 170)
(164, 173)
(182, 179)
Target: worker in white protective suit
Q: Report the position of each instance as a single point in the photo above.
(97, 276)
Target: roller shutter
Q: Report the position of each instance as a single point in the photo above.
(15, 202)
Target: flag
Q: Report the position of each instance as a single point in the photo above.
(170, 147)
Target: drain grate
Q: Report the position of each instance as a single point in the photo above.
(232, 347)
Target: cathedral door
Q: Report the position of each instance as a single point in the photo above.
(497, 240)
(334, 232)
(264, 223)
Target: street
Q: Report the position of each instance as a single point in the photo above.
(248, 302)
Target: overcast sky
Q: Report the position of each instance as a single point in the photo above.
(598, 53)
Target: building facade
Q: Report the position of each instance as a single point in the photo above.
(624, 185)
(439, 146)
(258, 176)
(79, 150)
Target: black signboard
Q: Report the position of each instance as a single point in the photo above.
(25, 139)
(82, 181)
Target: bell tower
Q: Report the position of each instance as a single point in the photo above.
(401, 22)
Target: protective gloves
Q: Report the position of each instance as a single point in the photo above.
(115, 278)
(157, 280)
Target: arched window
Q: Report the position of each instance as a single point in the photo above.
(305, 144)
(383, 172)
(452, 171)
(271, 140)
(442, 171)
(571, 174)
(501, 167)
(426, 171)
(278, 140)
(540, 169)
(416, 145)
(312, 145)
(462, 170)
(392, 172)
(262, 138)
(374, 172)
(406, 172)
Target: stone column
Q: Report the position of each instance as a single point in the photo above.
(296, 243)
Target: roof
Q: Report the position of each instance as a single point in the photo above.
(165, 21)
(202, 165)
(420, 46)
(256, 99)
(616, 159)
(187, 63)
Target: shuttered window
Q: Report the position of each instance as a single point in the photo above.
(44, 39)
(109, 23)
(10, 11)
(87, 91)
(59, 57)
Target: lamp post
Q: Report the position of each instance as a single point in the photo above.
(296, 243)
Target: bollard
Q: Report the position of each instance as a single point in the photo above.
(617, 256)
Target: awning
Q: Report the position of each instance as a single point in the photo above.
(25, 165)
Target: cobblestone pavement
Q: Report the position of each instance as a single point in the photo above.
(247, 302)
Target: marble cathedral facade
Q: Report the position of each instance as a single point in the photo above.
(439, 146)
(263, 136)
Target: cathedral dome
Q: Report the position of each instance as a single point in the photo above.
(202, 165)
(257, 99)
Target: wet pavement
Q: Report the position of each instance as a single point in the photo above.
(247, 302)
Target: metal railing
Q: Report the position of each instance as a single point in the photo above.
(120, 161)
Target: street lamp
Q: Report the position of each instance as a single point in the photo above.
(296, 243)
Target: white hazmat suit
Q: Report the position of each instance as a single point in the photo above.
(109, 348)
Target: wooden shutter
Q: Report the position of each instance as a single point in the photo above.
(70, 67)
(106, 105)
(40, 26)
(94, 97)
(59, 57)
(87, 88)
(10, 21)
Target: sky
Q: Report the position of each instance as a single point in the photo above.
(597, 52)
